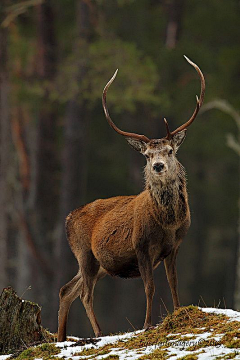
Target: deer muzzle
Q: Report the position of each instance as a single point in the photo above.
(159, 167)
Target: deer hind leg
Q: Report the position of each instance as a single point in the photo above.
(171, 271)
(67, 295)
(146, 271)
(91, 272)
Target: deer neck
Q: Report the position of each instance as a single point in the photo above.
(169, 196)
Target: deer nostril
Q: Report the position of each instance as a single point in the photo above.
(158, 166)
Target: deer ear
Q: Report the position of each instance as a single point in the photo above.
(178, 138)
(138, 145)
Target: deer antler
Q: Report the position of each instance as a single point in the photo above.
(198, 105)
(111, 123)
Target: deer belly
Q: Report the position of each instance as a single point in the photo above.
(118, 264)
(115, 253)
(125, 270)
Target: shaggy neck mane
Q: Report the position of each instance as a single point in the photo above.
(169, 196)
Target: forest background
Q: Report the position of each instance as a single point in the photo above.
(57, 151)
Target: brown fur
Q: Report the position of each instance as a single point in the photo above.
(128, 236)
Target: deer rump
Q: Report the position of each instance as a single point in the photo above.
(108, 227)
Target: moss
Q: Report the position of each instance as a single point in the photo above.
(98, 351)
(44, 351)
(232, 339)
(187, 320)
(112, 357)
(191, 320)
(157, 354)
(233, 343)
(228, 356)
(48, 336)
(104, 351)
(204, 344)
(86, 352)
(183, 321)
(189, 357)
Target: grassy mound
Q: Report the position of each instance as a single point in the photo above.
(188, 331)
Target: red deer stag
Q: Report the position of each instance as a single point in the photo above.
(128, 236)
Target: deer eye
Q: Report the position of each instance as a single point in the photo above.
(170, 152)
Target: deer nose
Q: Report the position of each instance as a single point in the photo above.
(158, 166)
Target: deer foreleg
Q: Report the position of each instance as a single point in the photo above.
(171, 271)
(146, 271)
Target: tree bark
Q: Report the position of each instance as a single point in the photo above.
(20, 323)
(4, 148)
(74, 160)
(47, 160)
(234, 143)
(174, 23)
(41, 209)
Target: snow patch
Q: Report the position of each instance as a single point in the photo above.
(233, 315)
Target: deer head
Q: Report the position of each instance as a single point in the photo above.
(160, 153)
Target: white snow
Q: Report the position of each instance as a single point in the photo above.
(233, 315)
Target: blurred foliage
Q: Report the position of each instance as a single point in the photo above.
(102, 59)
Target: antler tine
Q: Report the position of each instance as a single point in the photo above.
(111, 123)
(199, 101)
(167, 128)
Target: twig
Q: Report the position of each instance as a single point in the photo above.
(203, 301)
(165, 306)
(131, 324)
(224, 303)
(161, 314)
(28, 288)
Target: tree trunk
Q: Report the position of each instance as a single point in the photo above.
(74, 161)
(4, 149)
(234, 144)
(173, 29)
(42, 209)
(20, 323)
(200, 236)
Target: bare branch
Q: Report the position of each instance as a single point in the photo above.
(233, 144)
(225, 106)
(15, 10)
